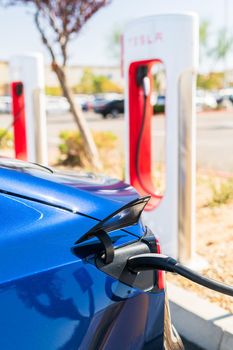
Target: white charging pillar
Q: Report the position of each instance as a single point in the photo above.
(29, 69)
(173, 40)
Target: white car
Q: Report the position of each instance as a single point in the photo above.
(205, 100)
(5, 104)
(57, 105)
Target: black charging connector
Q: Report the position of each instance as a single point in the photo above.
(142, 72)
(18, 89)
(151, 262)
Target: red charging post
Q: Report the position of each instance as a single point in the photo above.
(18, 104)
(141, 174)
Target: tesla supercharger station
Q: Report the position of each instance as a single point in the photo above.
(171, 39)
(27, 81)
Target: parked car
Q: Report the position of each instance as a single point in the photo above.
(110, 109)
(225, 98)
(57, 105)
(85, 101)
(5, 104)
(65, 239)
(98, 102)
(86, 106)
(205, 101)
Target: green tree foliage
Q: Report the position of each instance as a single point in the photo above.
(210, 81)
(204, 32)
(223, 45)
(114, 43)
(85, 85)
(204, 38)
(92, 84)
(103, 84)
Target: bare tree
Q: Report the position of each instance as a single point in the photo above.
(59, 22)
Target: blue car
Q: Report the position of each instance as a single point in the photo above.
(65, 240)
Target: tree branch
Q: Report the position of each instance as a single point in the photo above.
(44, 39)
(57, 22)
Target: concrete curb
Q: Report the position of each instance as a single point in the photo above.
(199, 321)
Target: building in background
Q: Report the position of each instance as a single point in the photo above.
(74, 75)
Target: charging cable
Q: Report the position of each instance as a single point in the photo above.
(151, 261)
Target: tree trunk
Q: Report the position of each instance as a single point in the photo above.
(92, 152)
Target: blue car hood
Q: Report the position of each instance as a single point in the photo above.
(88, 194)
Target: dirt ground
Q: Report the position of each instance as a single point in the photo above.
(214, 241)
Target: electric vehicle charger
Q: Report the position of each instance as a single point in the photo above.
(152, 261)
(143, 81)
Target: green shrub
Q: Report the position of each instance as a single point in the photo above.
(6, 139)
(73, 151)
(221, 193)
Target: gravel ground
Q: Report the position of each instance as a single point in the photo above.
(214, 233)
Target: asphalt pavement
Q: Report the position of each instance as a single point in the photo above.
(214, 136)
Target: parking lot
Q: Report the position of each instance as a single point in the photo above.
(214, 136)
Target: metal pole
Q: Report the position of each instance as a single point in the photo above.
(187, 168)
(41, 153)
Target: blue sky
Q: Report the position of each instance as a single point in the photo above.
(18, 33)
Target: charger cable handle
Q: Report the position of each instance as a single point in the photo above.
(151, 261)
(146, 86)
